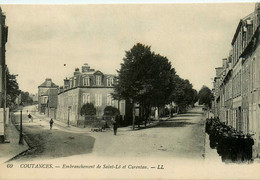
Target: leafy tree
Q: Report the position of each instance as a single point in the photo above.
(12, 89)
(183, 94)
(145, 78)
(205, 96)
(111, 111)
(88, 109)
(26, 99)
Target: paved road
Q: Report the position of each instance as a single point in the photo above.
(47, 144)
(182, 137)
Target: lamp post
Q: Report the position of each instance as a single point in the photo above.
(5, 90)
(69, 115)
(21, 124)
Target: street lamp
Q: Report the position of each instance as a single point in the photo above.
(21, 123)
(69, 115)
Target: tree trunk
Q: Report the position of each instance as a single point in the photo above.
(158, 113)
(133, 116)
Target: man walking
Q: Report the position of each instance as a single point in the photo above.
(29, 116)
(115, 127)
(51, 123)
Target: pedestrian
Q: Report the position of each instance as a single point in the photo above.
(115, 127)
(51, 123)
(29, 117)
(249, 142)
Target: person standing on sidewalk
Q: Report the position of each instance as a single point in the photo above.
(29, 116)
(51, 123)
(115, 126)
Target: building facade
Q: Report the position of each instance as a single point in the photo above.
(3, 68)
(47, 98)
(241, 80)
(87, 86)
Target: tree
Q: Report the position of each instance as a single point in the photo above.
(111, 111)
(145, 78)
(12, 89)
(88, 109)
(205, 96)
(26, 99)
(183, 94)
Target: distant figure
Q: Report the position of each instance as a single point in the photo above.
(115, 127)
(51, 123)
(30, 117)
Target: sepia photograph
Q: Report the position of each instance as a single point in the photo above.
(130, 90)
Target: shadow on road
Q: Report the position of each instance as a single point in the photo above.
(173, 124)
(166, 124)
(174, 120)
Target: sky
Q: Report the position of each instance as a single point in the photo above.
(42, 38)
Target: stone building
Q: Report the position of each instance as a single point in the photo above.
(242, 106)
(47, 98)
(3, 41)
(87, 86)
(216, 90)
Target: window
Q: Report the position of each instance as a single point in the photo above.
(254, 73)
(74, 83)
(71, 85)
(44, 99)
(110, 81)
(110, 101)
(86, 81)
(98, 80)
(86, 98)
(98, 100)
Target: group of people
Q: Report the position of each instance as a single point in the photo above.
(231, 145)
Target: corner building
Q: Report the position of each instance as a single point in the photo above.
(87, 86)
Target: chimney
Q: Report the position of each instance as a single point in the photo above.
(76, 72)
(219, 71)
(48, 82)
(85, 68)
(224, 63)
(66, 83)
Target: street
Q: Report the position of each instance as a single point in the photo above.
(178, 145)
(182, 136)
(45, 143)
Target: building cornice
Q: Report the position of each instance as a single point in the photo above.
(86, 87)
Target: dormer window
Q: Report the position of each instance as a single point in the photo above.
(86, 81)
(98, 80)
(110, 81)
(74, 83)
(71, 83)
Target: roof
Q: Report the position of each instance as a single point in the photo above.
(45, 84)
(50, 92)
(239, 26)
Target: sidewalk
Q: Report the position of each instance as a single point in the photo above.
(211, 155)
(10, 150)
(39, 117)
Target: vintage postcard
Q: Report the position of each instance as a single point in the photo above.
(130, 91)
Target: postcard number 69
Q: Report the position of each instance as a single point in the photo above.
(9, 165)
